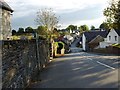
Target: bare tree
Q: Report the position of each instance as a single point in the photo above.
(47, 18)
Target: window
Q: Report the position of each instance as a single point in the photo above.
(115, 38)
(109, 38)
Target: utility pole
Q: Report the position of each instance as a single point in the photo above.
(37, 51)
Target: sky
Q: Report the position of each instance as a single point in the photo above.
(75, 12)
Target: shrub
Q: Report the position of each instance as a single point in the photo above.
(60, 45)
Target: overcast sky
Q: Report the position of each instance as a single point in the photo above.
(76, 12)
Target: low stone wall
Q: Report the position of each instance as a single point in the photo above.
(22, 62)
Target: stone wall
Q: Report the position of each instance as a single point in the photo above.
(5, 24)
(0, 23)
(22, 62)
(0, 65)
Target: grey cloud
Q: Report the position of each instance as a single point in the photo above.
(23, 21)
(65, 18)
(85, 14)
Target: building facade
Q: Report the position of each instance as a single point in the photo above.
(92, 37)
(5, 20)
(113, 37)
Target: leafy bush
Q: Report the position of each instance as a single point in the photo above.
(56, 44)
(15, 37)
(60, 45)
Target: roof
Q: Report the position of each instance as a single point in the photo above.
(118, 32)
(92, 34)
(5, 6)
(69, 37)
(97, 39)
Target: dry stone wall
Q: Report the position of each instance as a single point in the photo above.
(22, 62)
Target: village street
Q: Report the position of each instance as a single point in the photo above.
(59, 44)
(81, 70)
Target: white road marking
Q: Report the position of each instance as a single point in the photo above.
(75, 69)
(105, 65)
(102, 64)
(90, 58)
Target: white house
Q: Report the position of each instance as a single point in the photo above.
(76, 32)
(68, 39)
(84, 42)
(89, 37)
(113, 37)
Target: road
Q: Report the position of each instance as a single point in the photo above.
(73, 47)
(81, 70)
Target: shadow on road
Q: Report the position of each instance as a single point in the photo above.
(73, 71)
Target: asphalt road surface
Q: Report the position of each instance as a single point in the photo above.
(81, 70)
(73, 47)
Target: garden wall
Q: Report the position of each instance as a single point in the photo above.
(108, 50)
(22, 62)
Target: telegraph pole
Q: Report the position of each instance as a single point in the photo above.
(37, 51)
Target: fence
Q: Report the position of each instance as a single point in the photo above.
(22, 62)
(108, 50)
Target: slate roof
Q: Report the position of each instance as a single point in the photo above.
(5, 6)
(118, 32)
(97, 39)
(80, 39)
(92, 34)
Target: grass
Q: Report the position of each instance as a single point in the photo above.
(116, 45)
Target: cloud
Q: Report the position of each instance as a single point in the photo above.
(95, 22)
(70, 11)
(57, 5)
(87, 15)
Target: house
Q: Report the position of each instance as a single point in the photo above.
(91, 39)
(94, 43)
(75, 33)
(68, 39)
(5, 22)
(113, 37)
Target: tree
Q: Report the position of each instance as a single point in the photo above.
(92, 27)
(55, 33)
(104, 26)
(71, 27)
(112, 13)
(20, 31)
(41, 30)
(14, 32)
(29, 30)
(47, 18)
(83, 28)
(117, 16)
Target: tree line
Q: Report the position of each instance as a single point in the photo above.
(41, 30)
